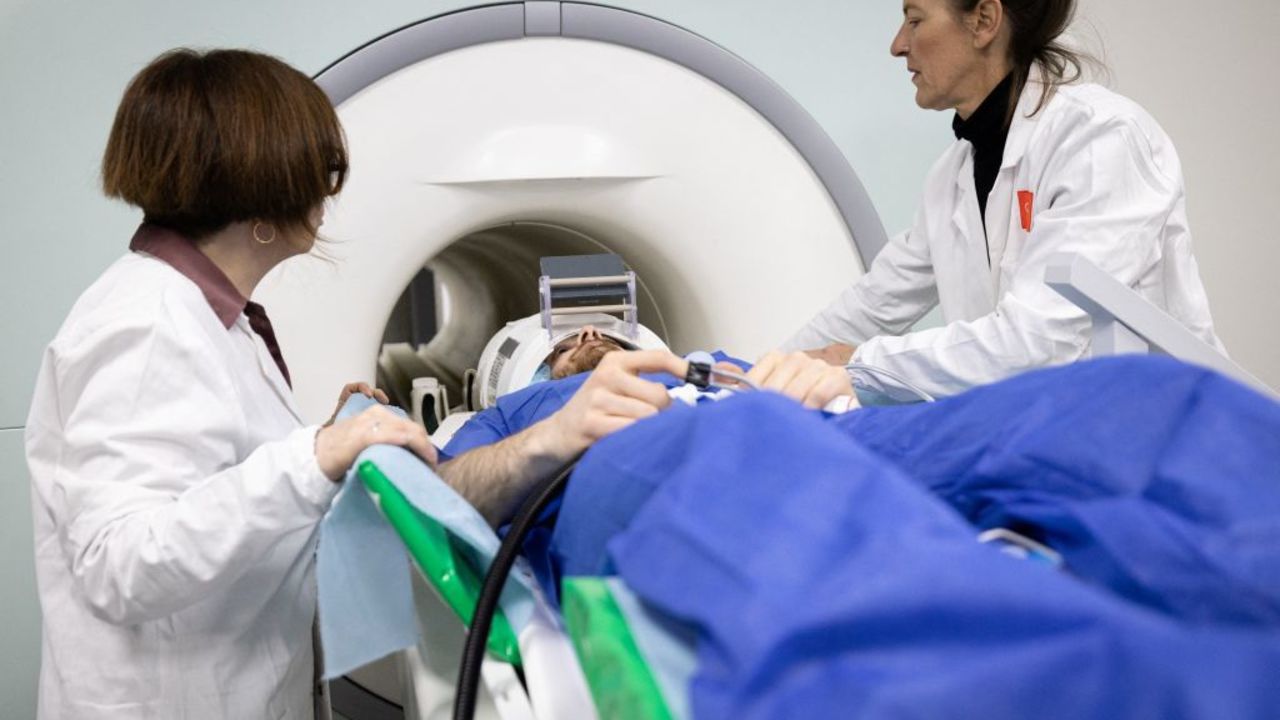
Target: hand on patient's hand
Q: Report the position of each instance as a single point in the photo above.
(337, 445)
(801, 377)
(833, 354)
(611, 399)
(356, 387)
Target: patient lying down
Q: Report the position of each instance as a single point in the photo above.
(497, 457)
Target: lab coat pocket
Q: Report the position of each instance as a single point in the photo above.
(112, 686)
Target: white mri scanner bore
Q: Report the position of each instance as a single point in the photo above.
(486, 139)
(478, 161)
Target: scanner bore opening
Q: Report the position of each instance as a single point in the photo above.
(466, 293)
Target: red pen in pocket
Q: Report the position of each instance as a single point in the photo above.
(1026, 203)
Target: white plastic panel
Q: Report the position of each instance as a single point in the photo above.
(720, 216)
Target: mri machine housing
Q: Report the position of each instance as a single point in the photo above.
(485, 139)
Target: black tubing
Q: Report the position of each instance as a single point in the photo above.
(464, 700)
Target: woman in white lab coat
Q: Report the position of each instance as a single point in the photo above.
(1041, 165)
(176, 491)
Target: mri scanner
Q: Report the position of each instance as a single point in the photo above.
(486, 139)
(483, 140)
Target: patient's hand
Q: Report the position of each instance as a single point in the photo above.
(833, 354)
(612, 398)
(801, 377)
(494, 478)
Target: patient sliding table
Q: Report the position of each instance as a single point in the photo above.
(599, 615)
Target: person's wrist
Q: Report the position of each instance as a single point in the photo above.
(322, 456)
(552, 442)
(843, 353)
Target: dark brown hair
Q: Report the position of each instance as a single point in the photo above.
(1035, 28)
(205, 139)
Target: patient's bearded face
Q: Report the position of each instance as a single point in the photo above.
(580, 353)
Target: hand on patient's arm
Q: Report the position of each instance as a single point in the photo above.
(496, 478)
(833, 354)
(809, 380)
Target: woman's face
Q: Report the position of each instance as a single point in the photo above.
(940, 53)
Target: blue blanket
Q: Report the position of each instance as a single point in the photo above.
(828, 567)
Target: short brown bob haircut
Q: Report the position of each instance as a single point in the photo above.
(205, 139)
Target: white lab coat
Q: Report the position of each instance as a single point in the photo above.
(1105, 182)
(176, 498)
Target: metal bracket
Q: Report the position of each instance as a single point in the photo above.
(586, 284)
(1124, 322)
(629, 309)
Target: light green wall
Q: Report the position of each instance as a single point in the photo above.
(20, 630)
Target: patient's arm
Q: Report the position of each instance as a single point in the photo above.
(496, 478)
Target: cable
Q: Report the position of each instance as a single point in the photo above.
(702, 375)
(906, 384)
(464, 702)
(736, 377)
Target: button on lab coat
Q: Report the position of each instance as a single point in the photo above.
(176, 498)
(1101, 179)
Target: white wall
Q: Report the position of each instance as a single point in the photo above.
(1207, 72)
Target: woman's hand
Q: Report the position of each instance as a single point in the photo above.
(801, 377)
(338, 444)
(356, 387)
(833, 354)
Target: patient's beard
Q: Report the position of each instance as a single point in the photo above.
(585, 359)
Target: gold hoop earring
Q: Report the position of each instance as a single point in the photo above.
(258, 238)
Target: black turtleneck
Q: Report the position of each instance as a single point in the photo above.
(987, 129)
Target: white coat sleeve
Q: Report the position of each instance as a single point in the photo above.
(897, 291)
(155, 512)
(1102, 197)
